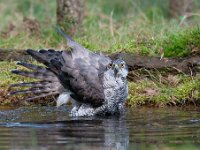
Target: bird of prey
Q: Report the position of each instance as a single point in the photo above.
(94, 83)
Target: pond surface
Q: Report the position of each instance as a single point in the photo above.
(139, 128)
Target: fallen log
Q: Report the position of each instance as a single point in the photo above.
(11, 54)
(185, 65)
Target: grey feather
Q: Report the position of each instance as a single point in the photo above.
(97, 84)
(77, 48)
(32, 90)
(42, 95)
(39, 69)
(49, 83)
(35, 75)
(34, 84)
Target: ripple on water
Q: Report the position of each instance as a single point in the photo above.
(51, 128)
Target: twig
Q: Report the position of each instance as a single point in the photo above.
(186, 16)
(111, 24)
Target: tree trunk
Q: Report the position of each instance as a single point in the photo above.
(70, 14)
(180, 7)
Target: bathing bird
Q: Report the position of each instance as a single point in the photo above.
(93, 82)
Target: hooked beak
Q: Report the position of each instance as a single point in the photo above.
(116, 70)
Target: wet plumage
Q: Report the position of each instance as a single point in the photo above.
(96, 84)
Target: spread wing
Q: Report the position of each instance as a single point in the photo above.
(84, 78)
(48, 83)
(78, 70)
(81, 73)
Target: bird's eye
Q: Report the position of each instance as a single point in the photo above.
(110, 65)
(122, 65)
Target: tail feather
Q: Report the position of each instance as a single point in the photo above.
(70, 42)
(64, 34)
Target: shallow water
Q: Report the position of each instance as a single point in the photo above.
(139, 128)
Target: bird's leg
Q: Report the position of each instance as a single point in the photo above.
(101, 110)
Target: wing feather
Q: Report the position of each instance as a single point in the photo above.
(78, 70)
(85, 81)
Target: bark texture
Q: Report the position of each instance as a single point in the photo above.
(180, 7)
(70, 14)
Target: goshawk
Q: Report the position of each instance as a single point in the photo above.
(94, 83)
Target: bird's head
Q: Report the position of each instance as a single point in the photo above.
(118, 68)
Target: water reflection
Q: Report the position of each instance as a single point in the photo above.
(84, 133)
(50, 128)
(112, 133)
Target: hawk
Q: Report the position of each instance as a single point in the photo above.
(94, 83)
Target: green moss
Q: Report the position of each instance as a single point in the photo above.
(182, 43)
(150, 92)
(6, 77)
